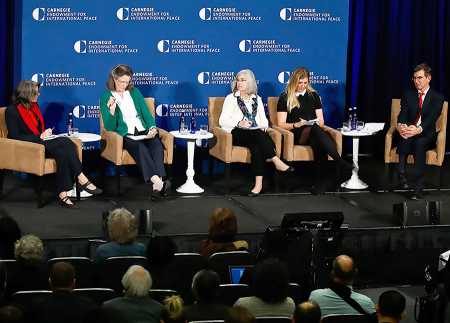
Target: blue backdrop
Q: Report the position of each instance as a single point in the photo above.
(181, 52)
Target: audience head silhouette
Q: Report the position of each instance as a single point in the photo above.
(205, 285)
(344, 270)
(122, 226)
(274, 273)
(29, 248)
(307, 312)
(391, 304)
(172, 311)
(239, 314)
(137, 281)
(62, 276)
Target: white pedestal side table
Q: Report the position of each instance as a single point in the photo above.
(190, 187)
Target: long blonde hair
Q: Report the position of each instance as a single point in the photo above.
(291, 87)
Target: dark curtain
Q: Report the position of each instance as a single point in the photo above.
(6, 50)
(387, 39)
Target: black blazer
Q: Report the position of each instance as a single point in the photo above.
(431, 109)
(17, 129)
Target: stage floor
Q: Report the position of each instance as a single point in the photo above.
(189, 214)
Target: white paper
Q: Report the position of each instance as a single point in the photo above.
(311, 122)
(140, 137)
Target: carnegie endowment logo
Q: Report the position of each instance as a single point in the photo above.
(145, 14)
(215, 78)
(185, 46)
(61, 80)
(227, 14)
(61, 14)
(308, 15)
(315, 78)
(102, 47)
(175, 110)
(150, 78)
(266, 46)
(283, 77)
(84, 111)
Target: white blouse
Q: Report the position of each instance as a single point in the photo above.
(130, 115)
(231, 113)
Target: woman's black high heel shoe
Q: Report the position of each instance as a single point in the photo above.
(96, 191)
(63, 202)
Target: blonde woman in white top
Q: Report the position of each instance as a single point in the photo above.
(244, 117)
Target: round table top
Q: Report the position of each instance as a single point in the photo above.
(85, 136)
(369, 129)
(192, 136)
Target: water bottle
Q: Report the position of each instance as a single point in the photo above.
(69, 123)
(354, 118)
(182, 123)
(193, 124)
(350, 118)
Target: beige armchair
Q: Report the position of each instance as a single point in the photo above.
(223, 148)
(26, 157)
(113, 146)
(291, 151)
(434, 156)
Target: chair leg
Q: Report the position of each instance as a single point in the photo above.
(440, 177)
(2, 175)
(227, 177)
(387, 177)
(117, 170)
(169, 171)
(38, 185)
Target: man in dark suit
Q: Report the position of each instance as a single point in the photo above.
(62, 305)
(417, 126)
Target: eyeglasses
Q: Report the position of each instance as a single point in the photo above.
(418, 78)
(122, 82)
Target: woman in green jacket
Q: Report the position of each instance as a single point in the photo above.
(125, 112)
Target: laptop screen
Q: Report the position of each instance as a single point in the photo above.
(236, 273)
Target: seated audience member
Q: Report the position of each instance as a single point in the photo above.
(31, 268)
(239, 314)
(9, 234)
(391, 307)
(122, 230)
(62, 305)
(336, 298)
(136, 305)
(11, 314)
(205, 287)
(222, 233)
(172, 311)
(307, 312)
(160, 253)
(270, 285)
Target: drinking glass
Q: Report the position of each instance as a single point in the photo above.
(203, 129)
(360, 125)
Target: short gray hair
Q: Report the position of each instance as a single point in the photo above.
(137, 281)
(29, 247)
(252, 86)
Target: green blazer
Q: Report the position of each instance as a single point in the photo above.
(116, 123)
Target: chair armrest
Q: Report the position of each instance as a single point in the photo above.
(440, 147)
(337, 137)
(223, 146)
(113, 147)
(167, 141)
(388, 144)
(22, 156)
(276, 137)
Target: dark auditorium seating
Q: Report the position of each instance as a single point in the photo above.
(187, 265)
(295, 292)
(273, 319)
(111, 271)
(161, 294)
(84, 270)
(349, 318)
(208, 321)
(230, 293)
(97, 295)
(222, 261)
(26, 298)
